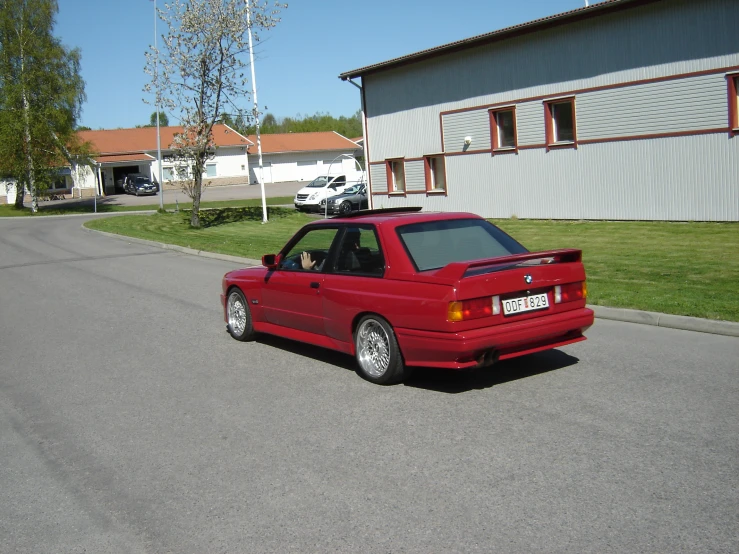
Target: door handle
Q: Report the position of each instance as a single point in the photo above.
(314, 285)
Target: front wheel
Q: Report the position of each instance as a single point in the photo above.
(378, 354)
(345, 207)
(239, 316)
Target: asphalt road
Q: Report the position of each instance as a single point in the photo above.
(131, 422)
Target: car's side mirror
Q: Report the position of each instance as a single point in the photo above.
(269, 261)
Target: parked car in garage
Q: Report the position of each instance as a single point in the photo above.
(352, 199)
(399, 289)
(139, 184)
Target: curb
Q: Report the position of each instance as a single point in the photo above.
(716, 327)
(685, 323)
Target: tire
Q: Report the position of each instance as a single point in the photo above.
(239, 317)
(137, 192)
(345, 207)
(378, 355)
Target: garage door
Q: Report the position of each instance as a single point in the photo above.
(307, 170)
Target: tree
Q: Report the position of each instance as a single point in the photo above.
(41, 94)
(201, 71)
(163, 119)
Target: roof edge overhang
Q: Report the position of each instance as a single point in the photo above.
(564, 18)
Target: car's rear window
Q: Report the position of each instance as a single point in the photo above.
(434, 244)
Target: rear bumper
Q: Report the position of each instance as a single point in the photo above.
(479, 347)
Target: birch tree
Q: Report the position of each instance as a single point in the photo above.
(41, 94)
(200, 71)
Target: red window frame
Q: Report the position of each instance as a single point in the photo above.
(495, 141)
(427, 174)
(549, 123)
(732, 81)
(390, 178)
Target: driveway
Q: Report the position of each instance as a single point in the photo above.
(131, 422)
(210, 194)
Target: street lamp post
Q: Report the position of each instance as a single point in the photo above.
(256, 112)
(156, 93)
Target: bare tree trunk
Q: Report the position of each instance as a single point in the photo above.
(197, 192)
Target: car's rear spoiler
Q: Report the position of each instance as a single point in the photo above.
(457, 270)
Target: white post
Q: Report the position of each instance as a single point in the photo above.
(256, 112)
(156, 102)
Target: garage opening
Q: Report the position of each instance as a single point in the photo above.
(119, 176)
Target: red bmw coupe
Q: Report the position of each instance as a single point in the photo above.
(398, 288)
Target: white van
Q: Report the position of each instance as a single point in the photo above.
(308, 198)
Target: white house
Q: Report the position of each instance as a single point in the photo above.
(302, 156)
(124, 151)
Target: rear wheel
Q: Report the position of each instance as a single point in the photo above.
(239, 316)
(378, 354)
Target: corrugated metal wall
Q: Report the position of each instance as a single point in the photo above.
(680, 178)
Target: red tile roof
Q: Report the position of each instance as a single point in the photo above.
(144, 139)
(301, 142)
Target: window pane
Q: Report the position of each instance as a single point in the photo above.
(564, 128)
(506, 137)
(360, 253)
(438, 177)
(167, 173)
(435, 244)
(399, 176)
(211, 170)
(316, 243)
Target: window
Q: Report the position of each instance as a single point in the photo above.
(560, 122)
(167, 174)
(733, 82)
(435, 174)
(315, 244)
(359, 253)
(210, 170)
(434, 244)
(396, 176)
(503, 129)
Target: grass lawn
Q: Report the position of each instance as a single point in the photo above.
(86, 206)
(677, 268)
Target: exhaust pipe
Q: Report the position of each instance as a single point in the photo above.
(486, 359)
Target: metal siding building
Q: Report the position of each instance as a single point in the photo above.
(649, 81)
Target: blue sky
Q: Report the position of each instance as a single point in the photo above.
(298, 62)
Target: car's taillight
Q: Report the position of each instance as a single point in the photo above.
(474, 309)
(570, 292)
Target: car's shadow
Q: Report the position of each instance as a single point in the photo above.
(441, 380)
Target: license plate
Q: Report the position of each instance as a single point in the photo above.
(525, 304)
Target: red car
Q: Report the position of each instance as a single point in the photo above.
(398, 288)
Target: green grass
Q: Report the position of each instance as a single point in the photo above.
(243, 235)
(86, 206)
(677, 268)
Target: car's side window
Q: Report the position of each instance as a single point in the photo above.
(310, 252)
(359, 253)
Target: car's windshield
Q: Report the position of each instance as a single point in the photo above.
(434, 244)
(318, 182)
(353, 189)
(142, 180)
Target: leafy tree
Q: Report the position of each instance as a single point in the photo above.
(163, 119)
(41, 94)
(201, 71)
(349, 127)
